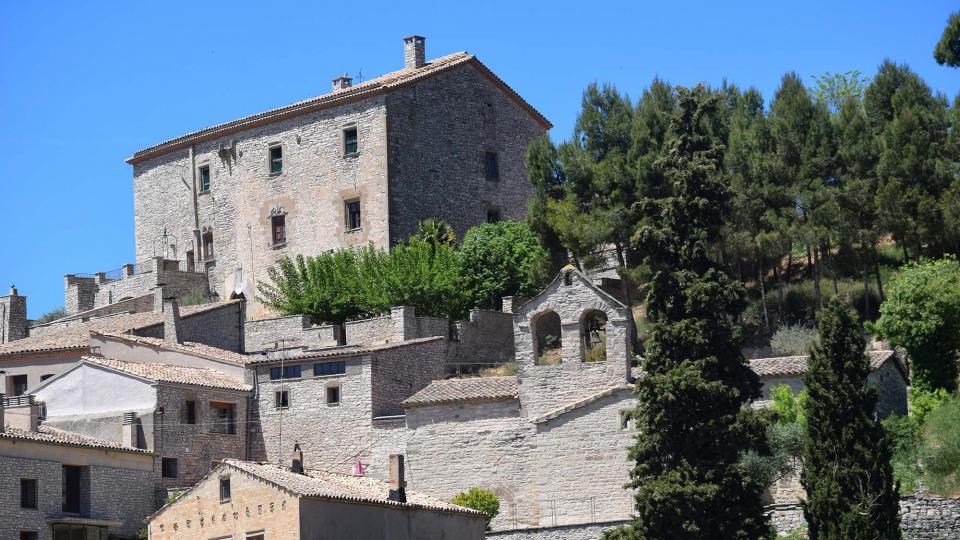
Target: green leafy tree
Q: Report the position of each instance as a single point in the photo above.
(436, 231)
(480, 499)
(947, 51)
(501, 259)
(922, 315)
(835, 89)
(52, 315)
(688, 476)
(846, 460)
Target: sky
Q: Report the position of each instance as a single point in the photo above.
(84, 85)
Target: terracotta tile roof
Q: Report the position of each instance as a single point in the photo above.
(342, 487)
(789, 366)
(193, 349)
(335, 352)
(76, 335)
(172, 374)
(50, 435)
(369, 88)
(469, 389)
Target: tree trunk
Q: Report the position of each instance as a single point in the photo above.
(786, 278)
(627, 299)
(779, 275)
(866, 287)
(809, 269)
(876, 271)
(763, 298)
(828, 256)
(817, 298)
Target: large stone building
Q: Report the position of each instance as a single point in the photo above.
(363, 163)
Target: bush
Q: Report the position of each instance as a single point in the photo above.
(196, 297)
(51, 315)
(793, 340)
(923, 401)
(941, 449)
(502, 259)
(904, 432)
(480, 499)
(789, 407)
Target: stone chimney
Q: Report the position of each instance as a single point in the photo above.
(414, 52)
(129, 431)
(296, 460)
(344, 81)
(171, 321)
(13, 316)
(398, 484)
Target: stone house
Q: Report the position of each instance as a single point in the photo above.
(342, 405)
(260, 501)
(366, 162)
(60, 485)
(189, 417)
(550, 442)
(50, 349)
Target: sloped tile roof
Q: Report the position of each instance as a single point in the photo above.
(469, 389)
(76, 335)
(790, 366)
(193, 349)
(580, 403)
(368, 88)
(326, 485)
(335, 352)
(50, 435)
(172, 374)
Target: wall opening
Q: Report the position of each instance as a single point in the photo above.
(548, 340)
(593, 335)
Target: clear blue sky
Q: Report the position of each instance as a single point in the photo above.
(84, 86)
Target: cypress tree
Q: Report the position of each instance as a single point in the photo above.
(846, 459)
(691, 419)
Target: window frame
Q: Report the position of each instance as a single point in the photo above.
(282, 399)
(348, 214)
(25, 500)
(230, 419)
(340, 368)
(209, 253)
(272, 161)
(201, 170)
(225, 481)
(493, 215)
(339, 394)
(284, 372)
(274, 241)
(190, 412)
(14, 379)
(164, 468)
(356, 140)
(491, 165)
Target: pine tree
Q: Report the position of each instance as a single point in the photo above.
(692, 421)
(947, 51)
(846, 459)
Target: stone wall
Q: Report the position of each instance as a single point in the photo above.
(484, 340)
(367, 331)
(401, 372)
(264, 334)
(13, 317)
(197, 446)
(590, 531)
(891, 389)
(48, 475)
(220, 327)
(921, 518)
(438, 132)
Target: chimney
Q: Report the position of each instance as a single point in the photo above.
(414, 52)
(398, 485)
(171, 321)
(296, 460)
(22, 412)
(13, 316)
(129, 431)
(344, 81)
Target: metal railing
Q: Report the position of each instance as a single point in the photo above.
(18, 401)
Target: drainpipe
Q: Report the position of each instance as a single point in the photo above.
(197, 255)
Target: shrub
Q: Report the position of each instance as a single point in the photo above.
(480, 499)
(904, 432)
(793, 340)
(941, 449)
(196, 297)
(789, 407)
(923, 401)
(51, 315)
(502, 259)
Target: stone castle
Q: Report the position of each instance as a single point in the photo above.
(132, 392)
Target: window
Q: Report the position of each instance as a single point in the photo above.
(204, 178)
(350, 141)
(493, 215)
(491, 165)
(288, 372)
(71, 489)
(255, 536)
(223, 418)
(224, 488)
(333, 395)
(169, 467)
(71, 531)
(276, 159)
(278, 224)
(208, 246)
(28, 493)
(28, 535)
(353, 214)
(283, 399)
(190, 412)
(330, 368)
(45, 377)
(19, 385)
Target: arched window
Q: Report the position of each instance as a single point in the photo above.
(548, 342)
(593, 335)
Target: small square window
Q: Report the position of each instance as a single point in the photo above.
(224, 488)
(190, 412)
(276, 159)
(283, 399)
(224, 418)
(333, 395)
(28, 493)
(168, 467)
(493, 215)
(353, 214)
(350, 141)
(205, 178)
(491, 165)
(278, 224)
